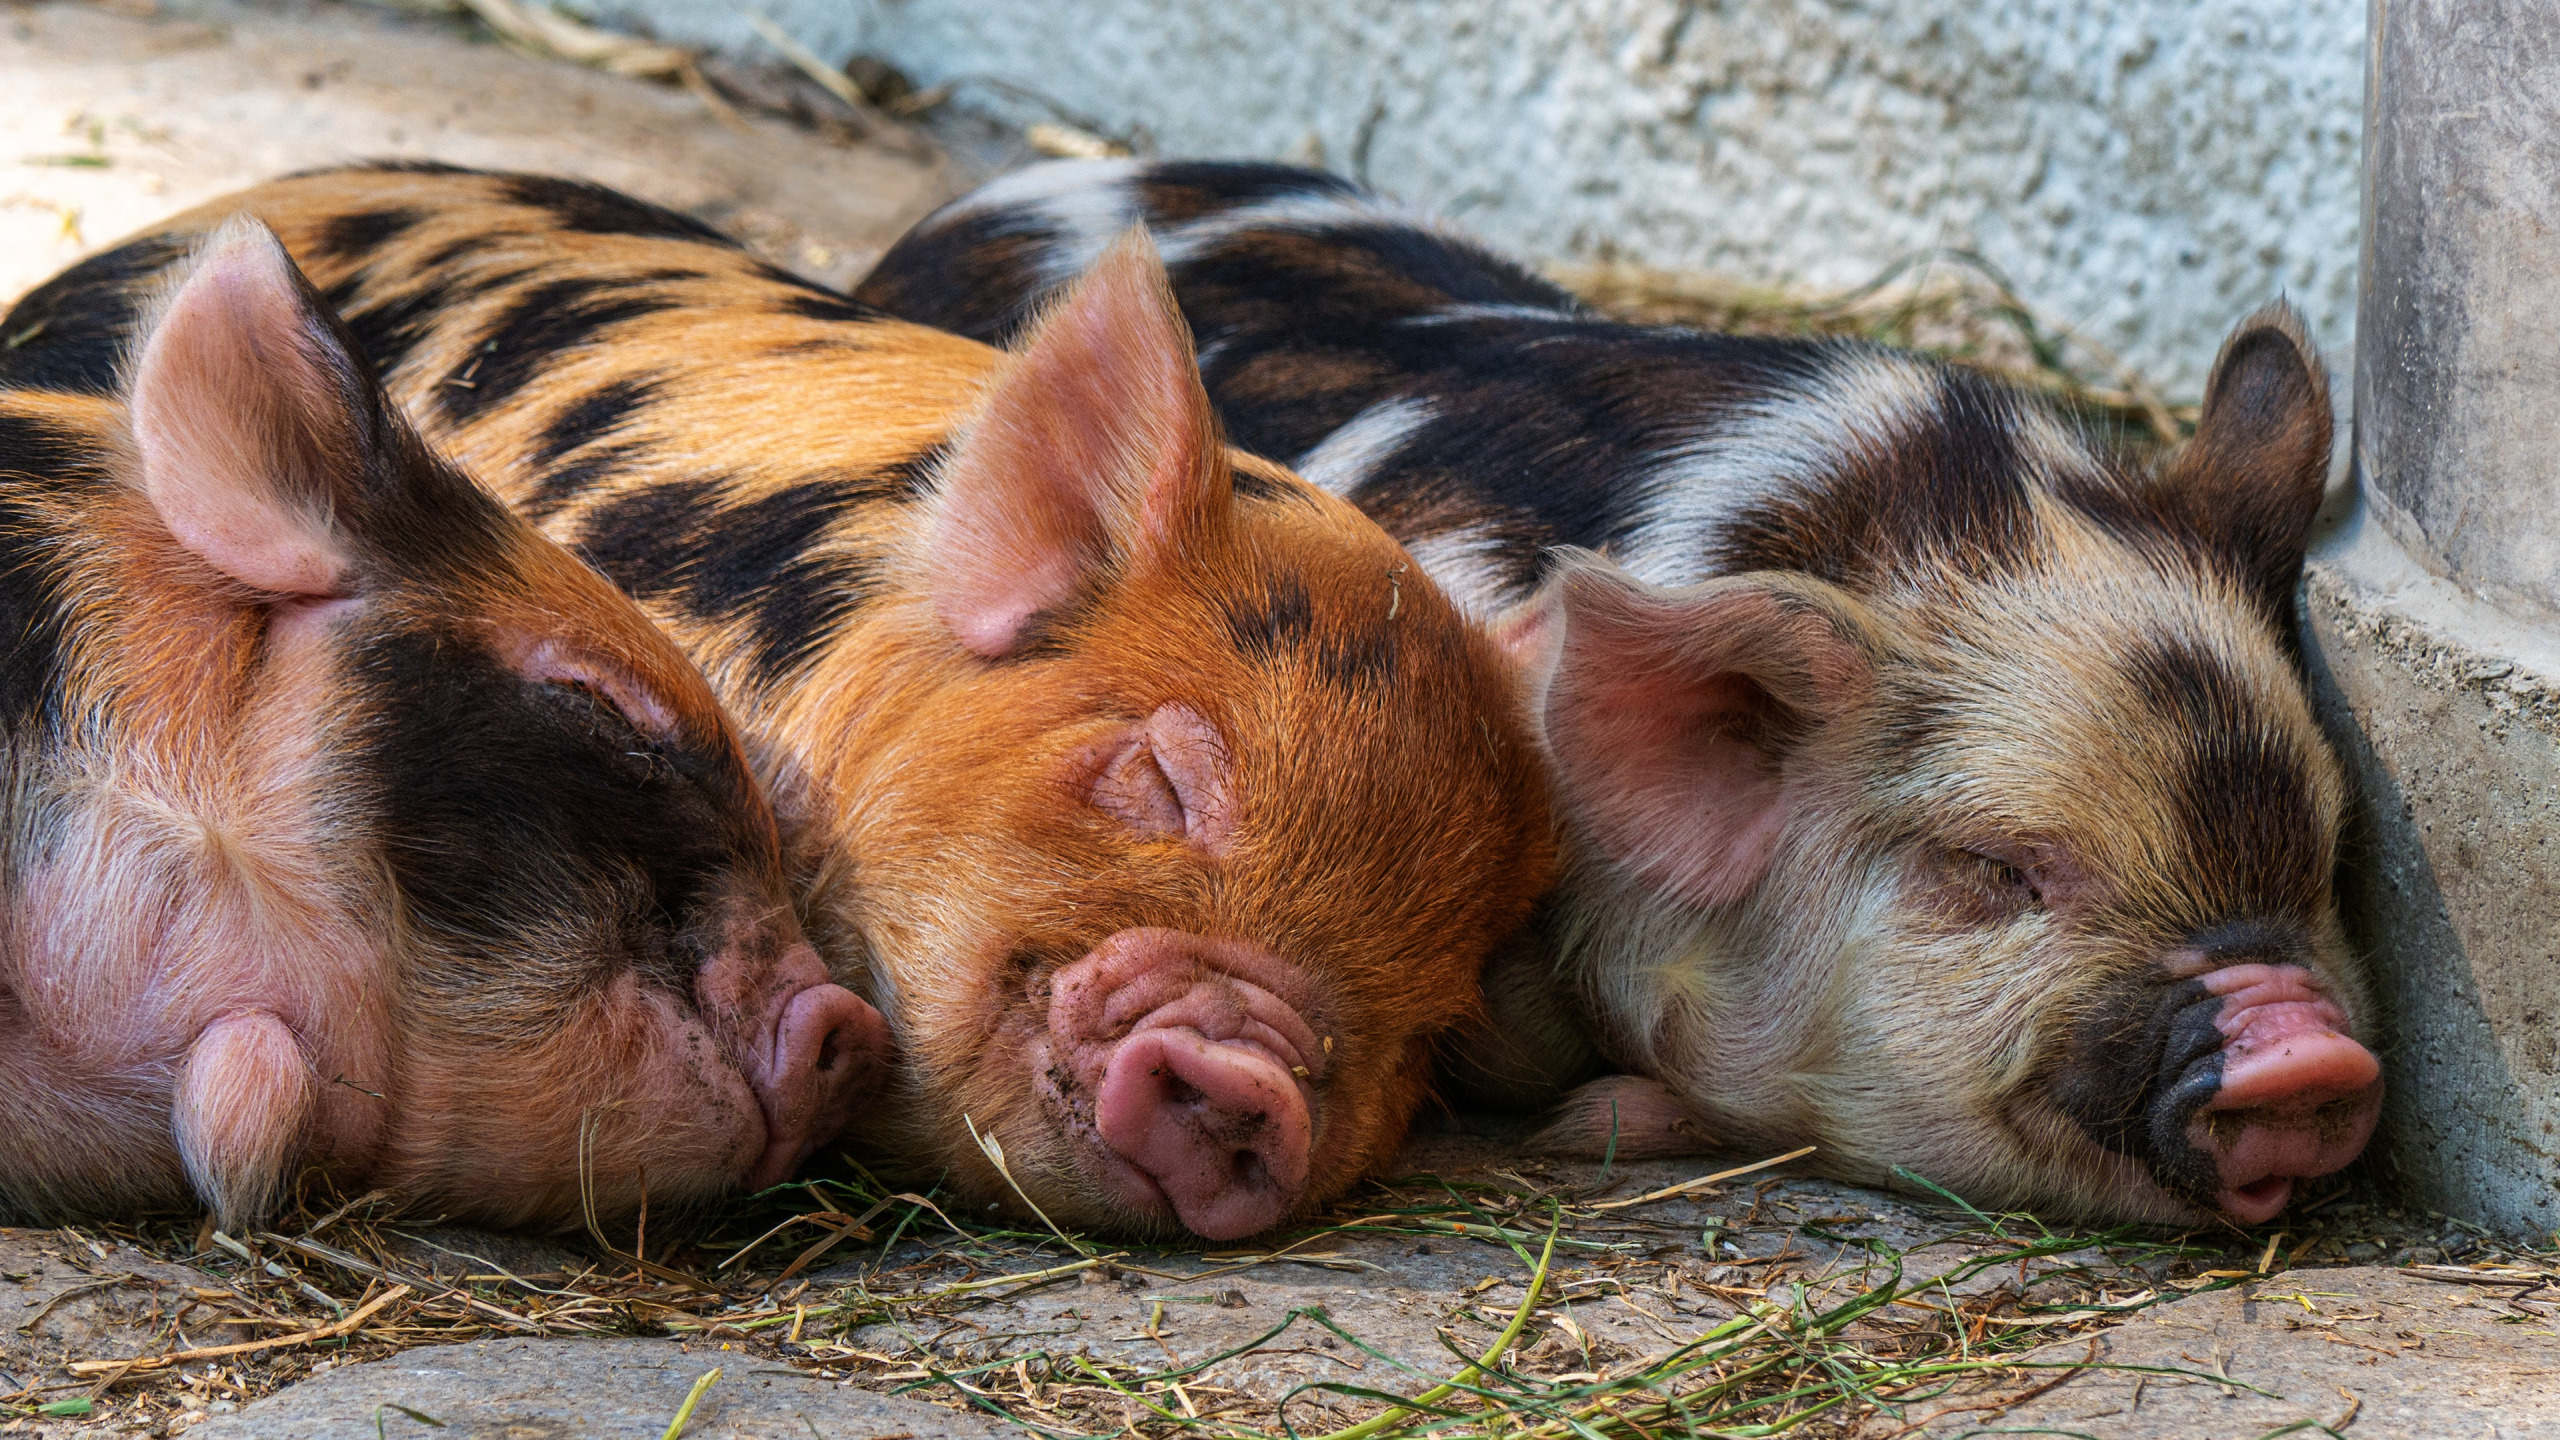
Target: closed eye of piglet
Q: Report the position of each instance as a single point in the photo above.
(1167, 779)
(557, 661)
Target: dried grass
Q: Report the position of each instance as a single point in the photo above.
(1865, 1342)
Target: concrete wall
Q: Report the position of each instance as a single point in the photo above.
(2432, 610)
(2146, 171)
(2447, 713)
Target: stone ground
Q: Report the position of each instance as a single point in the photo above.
(115, 116)
(2349, 1320)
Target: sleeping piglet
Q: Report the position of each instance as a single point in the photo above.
(1163, 806)
(1942, 784)
(351, 824)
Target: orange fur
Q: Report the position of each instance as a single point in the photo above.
(1388, 827)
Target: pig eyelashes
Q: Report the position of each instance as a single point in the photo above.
(599, 702)
(2009, 879)
(1974, 888)
(1169, 780)
(554, 663)
(1134, 790)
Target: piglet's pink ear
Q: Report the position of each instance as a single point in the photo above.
(1095, 445)
(1672, 714)
(245, 412)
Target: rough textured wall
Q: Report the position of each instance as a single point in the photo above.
(2146, 171)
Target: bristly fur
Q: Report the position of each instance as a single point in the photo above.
(764, 465)
(336, 880)
(2073, 740)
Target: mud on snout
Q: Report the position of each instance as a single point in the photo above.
(1185, 1074)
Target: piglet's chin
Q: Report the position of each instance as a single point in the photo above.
(1185, 1068)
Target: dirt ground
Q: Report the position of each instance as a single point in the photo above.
(1756, 1301)
(1753, 1300)
(113, 117)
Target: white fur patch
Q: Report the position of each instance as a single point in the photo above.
(1036, 187)
(1460, 314)
(1087, 203)
(1468, 565)
(1301, 214)
(1770, 447)
(1342, 460)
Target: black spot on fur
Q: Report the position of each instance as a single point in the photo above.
(912, 478)
(388, 329)
(537, 328)
(976, 276)
(1280, 623)
(452, 250)
(1268, 626)
(562, 484)
(764, 559)
(32, 449)
(34, 612)
(1254, 485)
(592, 209)
(1361, 659)
(767, 569)
(1943, 488)
(2246, 802)
(595, 416)
(1173, 192)
(71, 333)
(512, 803)
(647, 540)
(387, 167)
(831, 307)
(468, 285)
(360, 233)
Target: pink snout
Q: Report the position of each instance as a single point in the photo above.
(1220, 1128)
(2298, 1097)
(1198, 1064)
(812, 1049)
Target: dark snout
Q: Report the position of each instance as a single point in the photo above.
(2232, 1073)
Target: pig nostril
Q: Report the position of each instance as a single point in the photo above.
(831, 1053)
(1250, 1171)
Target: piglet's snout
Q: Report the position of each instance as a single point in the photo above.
(2296, 1096)
(810, 1048)
(1200, 1065)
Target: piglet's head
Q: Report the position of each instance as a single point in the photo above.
(1241, 802)
(544, 816)
(2018, 878)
